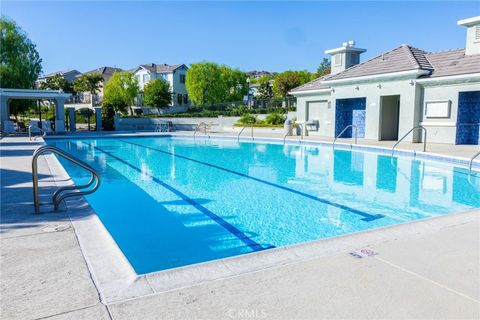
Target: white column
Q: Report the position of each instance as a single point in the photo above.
(98, 117)
(4, 112)
(60, 115)
(71, 118)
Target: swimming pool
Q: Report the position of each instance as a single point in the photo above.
(175, 201)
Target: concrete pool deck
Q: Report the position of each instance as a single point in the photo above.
(424, 269)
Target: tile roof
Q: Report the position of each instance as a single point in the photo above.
(62, 73)
(108, 71)
(405, 58)
(402, 58)
(161, 68)
(453, 62)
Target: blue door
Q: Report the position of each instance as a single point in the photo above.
(347, 112)
(468, 119)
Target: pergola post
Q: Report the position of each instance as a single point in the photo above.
(71, 119)
(98, 118)
(4, 111)
(60, 115)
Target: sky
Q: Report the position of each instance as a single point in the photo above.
(249, 35)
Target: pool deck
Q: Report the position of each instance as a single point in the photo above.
(424, 269)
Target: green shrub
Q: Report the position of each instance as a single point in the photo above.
(275, 118)
(247, 119)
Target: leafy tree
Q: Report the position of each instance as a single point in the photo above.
(286, 81)
(324, 68)
(265, 90)
(89, 82)
(209, 83)
(20, 63)
(157, 94)
(57, 82)
(120, 91)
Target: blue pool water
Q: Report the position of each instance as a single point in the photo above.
(171, 201)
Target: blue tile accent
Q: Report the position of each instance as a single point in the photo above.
(350, 111)
(468, 120)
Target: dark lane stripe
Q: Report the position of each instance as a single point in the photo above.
(230, 228)
(366, 216)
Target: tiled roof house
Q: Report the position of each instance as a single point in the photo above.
(395, 91)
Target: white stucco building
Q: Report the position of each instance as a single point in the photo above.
(174, 74)
(388, 95)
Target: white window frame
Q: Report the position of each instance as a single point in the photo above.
(430, 108)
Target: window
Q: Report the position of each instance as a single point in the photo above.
(437, 109)
(179, 98)
(337, 59)
(185, 98)
(146, 77)
(182, 78)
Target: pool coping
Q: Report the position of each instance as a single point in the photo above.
(117, 281)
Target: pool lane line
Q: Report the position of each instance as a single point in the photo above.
(366, 216)
(230, 228)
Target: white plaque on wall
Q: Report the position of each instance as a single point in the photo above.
(437, 109)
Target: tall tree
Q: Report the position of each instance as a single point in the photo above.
(157, 94)
(120, 91)
(20, 63)
(209, 83)
(324, 68)
(89, 82)
(286, 81)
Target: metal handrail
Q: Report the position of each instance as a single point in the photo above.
(301, 133)
(406, 134)
(57, 197)
(470, 164)
(197, 128)
(343, 131)
(238, 137)
(44, 133)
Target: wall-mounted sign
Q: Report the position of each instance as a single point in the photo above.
(437, 109)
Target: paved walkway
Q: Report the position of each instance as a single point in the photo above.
(428, 274)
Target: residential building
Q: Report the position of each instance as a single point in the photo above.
(174, 74)
(106, 73)
(390, 94)
(69, 75)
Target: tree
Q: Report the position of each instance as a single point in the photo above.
(157, 94)
(286, 81)
(209, 83)
(120, 91)
(20, 63)
(89, 82)
(324, 68)
(265, 90)
(57, 82)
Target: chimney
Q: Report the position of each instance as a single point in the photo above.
(344, 57)
(473, 35)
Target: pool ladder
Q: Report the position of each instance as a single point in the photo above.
(59, 195)
(343, 131)
(251, 133)
(470, 164)
(406, 134)
(301, 136)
